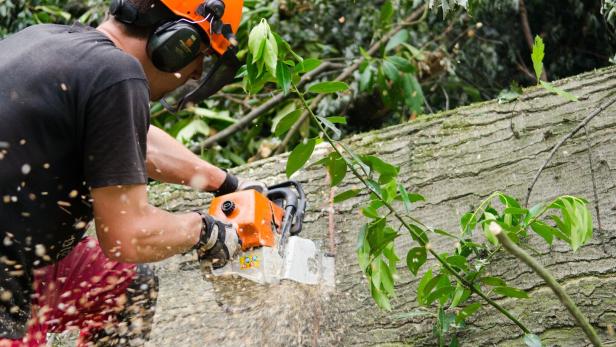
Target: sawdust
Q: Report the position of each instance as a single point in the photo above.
(270, 315)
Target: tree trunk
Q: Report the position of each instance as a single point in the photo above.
(455, 159)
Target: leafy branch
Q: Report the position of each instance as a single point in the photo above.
(460, 273)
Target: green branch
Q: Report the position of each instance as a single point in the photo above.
(462, 280)
(519, 253)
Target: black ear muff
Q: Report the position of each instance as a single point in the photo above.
(124, 11)
(174, 45)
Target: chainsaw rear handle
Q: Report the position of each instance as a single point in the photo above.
(295, 200)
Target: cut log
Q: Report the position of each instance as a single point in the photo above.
(455, 159)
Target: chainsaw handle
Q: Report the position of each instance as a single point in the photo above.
(298, 201)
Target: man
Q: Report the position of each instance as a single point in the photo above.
(76, 145)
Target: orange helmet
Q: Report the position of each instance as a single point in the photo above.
(211, 16)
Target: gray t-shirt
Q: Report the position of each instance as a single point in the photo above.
(74, 115)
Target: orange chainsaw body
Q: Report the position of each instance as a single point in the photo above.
(253, 213)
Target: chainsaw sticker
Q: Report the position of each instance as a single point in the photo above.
(249, 261)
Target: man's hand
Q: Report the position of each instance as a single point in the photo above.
(218, 242)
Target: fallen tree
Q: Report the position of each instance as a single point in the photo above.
(455, 159)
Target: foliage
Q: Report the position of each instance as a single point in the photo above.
(446, 59)
(537, 58)
(453, 282)
(15, 15)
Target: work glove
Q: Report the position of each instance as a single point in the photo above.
(218, 242)
(233, 184)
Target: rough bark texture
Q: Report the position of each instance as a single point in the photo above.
(455, 159)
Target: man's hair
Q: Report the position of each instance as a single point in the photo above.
(143, 6)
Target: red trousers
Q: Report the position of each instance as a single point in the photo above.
(84, 290)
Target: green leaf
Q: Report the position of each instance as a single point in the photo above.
(508, 201)
(467, 312)
(553, 89)
(380, 298)
(337, 119)
(400, 37)
(374, 187)
(270, 54)
(385, 170)
(337, 168)
(413, 94)
(507, 95)
(575, 228)
(336, 133)
(54, 10)
(299, 156)
(544, 230)
(493, 281)
(363, 248)
(390, 190)
(401, 64)
(370, 212)
(442, 294)
(387, 12)
(196, 126)
(346, 195)
(222, 116)
(468, 223)
(365, 78)
(421, 287)
(283, 76)
(287, 122)
(534, 211)
(460, 296)
(256, 40)
(532, 340)
(457, 261)
(415, 258)
(380, 236)
(328, 87)
(439, 281)
(387, 279)
(307, 65)
(418, 234)
(390, 70)
(511, 292)
(405, 197)
(537, 56)
(515, 211)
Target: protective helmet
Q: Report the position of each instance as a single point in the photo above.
(211, 16)
(219, 19)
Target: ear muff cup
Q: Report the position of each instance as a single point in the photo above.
(174, 45)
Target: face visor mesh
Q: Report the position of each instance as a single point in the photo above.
(221, 73)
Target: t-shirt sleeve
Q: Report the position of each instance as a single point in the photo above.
(115, 135)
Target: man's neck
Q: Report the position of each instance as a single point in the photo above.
(131, 45)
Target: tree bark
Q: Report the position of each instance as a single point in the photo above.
(455, 159)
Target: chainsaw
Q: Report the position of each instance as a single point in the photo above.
(268, 226)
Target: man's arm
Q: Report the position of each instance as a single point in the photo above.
(169, 161)
(131, 230)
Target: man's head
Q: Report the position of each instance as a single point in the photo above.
(179, 34)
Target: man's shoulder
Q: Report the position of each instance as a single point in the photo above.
(82, 51)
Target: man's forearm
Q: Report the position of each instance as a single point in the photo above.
(169, 161)
(131, 230)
